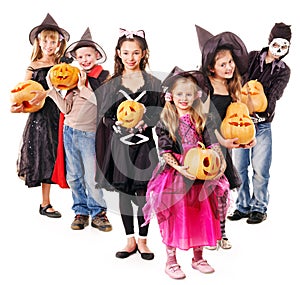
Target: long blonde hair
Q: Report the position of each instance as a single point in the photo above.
(52, 34)
(169, 115)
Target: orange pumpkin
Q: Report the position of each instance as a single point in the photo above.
(130, 113)
(64, 76)
(23, 92)
(238, 124)
(203, 163)
(254, 97)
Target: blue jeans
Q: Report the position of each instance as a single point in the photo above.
(80, 160)
(260, 157)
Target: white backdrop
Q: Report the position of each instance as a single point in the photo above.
(36, 250)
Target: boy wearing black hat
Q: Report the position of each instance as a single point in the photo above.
(80, 112)
(266, 66)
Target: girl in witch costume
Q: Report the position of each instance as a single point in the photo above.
(38, 150)
(127, 156)
(224, 60)
(79, 107)
(185, 207)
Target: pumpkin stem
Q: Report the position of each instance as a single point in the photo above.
(201, 145)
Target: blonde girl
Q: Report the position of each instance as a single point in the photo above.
(185, 206)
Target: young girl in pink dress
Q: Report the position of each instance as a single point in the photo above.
(185, 207)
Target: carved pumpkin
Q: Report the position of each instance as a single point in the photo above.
(64, 76)
(204, 163)
(23, 92)
(254, 97)
(130, 113)
(238, 124)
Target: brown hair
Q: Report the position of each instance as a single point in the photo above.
(119, 66)
(234, 84)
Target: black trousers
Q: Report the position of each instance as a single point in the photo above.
(126, 202)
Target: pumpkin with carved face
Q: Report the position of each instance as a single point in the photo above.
(238, 124)
(254, 97)
(130, 113)
(203, 163)
(23, 92)
(64, 76)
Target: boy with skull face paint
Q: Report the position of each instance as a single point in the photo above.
(268, 68)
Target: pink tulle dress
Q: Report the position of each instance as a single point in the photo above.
(186, 211)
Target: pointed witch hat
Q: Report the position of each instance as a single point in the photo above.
(48, 24)
(169, 79)
(177, 72)
(86, 41)
(203, 37)
(209, 45)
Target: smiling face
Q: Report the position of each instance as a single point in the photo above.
(87, 57)
(131, 55)
(184, 94)
(64, 76)
(238, 124)
(130, 113)
(224, 65)
(49, 42)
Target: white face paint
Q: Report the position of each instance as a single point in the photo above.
(279, 47)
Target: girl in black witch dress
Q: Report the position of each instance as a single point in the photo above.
(37, 153)
(224, 61)
(127, 156)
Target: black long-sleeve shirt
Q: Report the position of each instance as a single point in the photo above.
(273, 76)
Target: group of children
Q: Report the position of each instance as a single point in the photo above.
(100, 153)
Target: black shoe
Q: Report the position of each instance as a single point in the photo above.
(146, 255)
(237, 215)
(256, 218)
(125, 254)
(43, 211)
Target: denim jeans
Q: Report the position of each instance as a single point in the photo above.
(80, 160)
(260, 157)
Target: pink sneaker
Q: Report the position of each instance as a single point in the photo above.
(202, 266)
(174, 271)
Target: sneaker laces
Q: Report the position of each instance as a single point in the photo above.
(80, 217)
(102, 217)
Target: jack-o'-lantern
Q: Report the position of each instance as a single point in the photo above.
(23, 92)
(64, 76)
(254, 97)
(204, 163)
(130, 113)
(238, 124)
